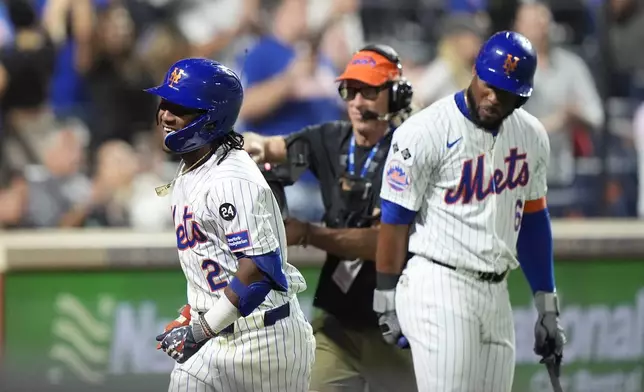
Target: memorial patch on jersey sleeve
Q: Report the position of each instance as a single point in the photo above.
(227, 211)
(397, 176)
(238, 241)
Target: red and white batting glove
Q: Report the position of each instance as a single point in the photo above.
(181, 321)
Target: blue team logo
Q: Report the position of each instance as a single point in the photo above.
(188, 231)
(238, 241)
(397, 176)
(363, 60)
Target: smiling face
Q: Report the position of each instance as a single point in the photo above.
(364, 86)
(361, 98)
(172, 117)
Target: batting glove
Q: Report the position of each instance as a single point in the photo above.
(182, 320)
(384, 305)
(183, 342)
(549, 336)
(179, 343)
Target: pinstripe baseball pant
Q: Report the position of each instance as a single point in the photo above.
(276, 358)
(460, 329)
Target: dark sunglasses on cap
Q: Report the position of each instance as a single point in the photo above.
(348, 93)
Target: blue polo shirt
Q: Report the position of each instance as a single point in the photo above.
(270, 57)
(67, 91)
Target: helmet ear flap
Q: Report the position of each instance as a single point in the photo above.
(212, 121)
(210, 90)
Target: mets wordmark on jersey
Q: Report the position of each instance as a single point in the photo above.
(468, 185)
(223, 212)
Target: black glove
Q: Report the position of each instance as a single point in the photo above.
(384, 305)
(183, 342)
(549, 336)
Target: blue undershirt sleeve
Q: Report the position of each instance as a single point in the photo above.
(535, 251)
(394, 214)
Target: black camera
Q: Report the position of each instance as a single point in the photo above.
(277, 178)
(280, 176)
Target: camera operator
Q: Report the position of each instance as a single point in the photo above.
(348, 157)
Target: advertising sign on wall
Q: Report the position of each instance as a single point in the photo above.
(98, 328)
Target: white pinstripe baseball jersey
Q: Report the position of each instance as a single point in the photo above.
(468, 185)
(221, 212)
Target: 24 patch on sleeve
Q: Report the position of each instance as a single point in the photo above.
(227, 211)
(238, 241)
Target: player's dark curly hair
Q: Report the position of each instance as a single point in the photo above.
(232, 141)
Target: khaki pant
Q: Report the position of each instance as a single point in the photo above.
(348, 360)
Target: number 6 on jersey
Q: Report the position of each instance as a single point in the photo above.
(518, 214)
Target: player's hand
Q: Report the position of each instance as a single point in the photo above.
(549, 336)
(390, 329)
(383, 305)
(179, 343)
(182, 320)
(254, 145)
(297, 232)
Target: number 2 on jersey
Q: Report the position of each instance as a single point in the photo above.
(518, 214)
(214, 270)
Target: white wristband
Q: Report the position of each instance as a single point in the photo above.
(222, 314)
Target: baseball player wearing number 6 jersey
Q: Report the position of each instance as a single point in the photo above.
(244, 330)
(464, 192)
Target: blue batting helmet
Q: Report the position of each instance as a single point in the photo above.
(507, 61)
(204, 85)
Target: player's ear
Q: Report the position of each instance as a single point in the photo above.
(473, 70)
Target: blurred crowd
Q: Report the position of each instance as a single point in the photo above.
(79, 146)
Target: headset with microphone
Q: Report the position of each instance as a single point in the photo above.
(400, 89)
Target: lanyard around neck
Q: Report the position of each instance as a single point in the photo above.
(351, 158)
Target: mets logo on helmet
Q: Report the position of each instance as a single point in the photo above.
(510, 64)
(175, 76)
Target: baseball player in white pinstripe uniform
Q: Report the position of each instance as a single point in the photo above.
(463, 203)
(243, 329)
